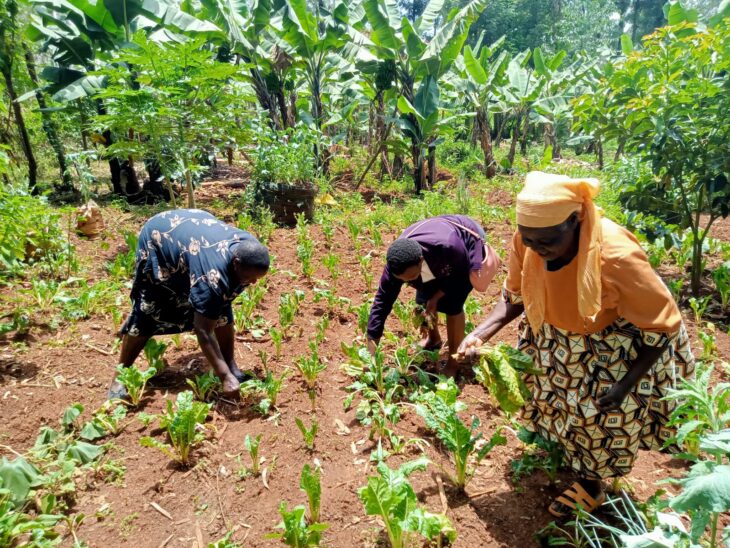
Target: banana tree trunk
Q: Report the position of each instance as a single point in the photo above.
(431, 166)
(485, 139)
(513, 144)
(22, 130)
(419, 173)
(49, 126)
(525, 131)
(122, 175)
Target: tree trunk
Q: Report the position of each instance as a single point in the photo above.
(431, 166)
(49, 126)
(397, 166)
(229, 155)
(513, 144)
(282, 108)
(485, 139)
(122, 174)
(525, 131)
(619, 150)
(22, 130)
(264, 97)
(599, 152)
(418, 168)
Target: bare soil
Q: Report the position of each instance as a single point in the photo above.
(75, 364)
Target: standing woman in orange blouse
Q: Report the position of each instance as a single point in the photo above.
(601, 327)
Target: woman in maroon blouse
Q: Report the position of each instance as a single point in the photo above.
(443, 258)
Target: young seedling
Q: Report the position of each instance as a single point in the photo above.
(321, 329)
(332, 262)
(539, 454)
(153, 352)
(309, 482)
(204, 386)
(269, 388)
(277, 337)
(721, 277)
(709, 343)
(328, 231)
(252, 446)
(701, 408)
(309, 434)
(699, 306)
(390, 496)
(363, 315)
(184, 425)
(366, 271)
(375, 235)
(296, 531)
(264, 357)
(288, 307)
(300, 530)
(354, 229)
(106, 421)
(134, 381)
(459, 439)
(310, 367)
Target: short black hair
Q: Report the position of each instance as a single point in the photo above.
(403, 254)
(252, 254)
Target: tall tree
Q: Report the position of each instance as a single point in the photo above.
(9, 42)
(49, 125)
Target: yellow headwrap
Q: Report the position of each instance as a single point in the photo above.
(548, 200)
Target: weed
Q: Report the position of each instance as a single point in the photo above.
(539, 454)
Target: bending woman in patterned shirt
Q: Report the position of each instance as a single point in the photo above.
(190, 267)
(601, 327)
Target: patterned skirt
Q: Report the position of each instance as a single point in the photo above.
(577, 369)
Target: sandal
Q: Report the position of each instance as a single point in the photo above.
(572, 497)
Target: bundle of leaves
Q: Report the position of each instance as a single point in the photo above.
(390, 496)
(501, 370)
(184, 425)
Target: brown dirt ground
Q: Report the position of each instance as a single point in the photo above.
(74, 364)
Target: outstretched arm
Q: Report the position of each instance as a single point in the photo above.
(502, 314)
(205, 331)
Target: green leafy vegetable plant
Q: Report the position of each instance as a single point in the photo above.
(460, 439)
(134, 381)
(390, 496)
(699, 306)
(366, 271)
(153, 351)
(277, 337)
(252, 446)
(701, 407)
(310, 368)
(298, 528)
(305, 246)
(538, 454)
(204, 386)
(269, 388)
(332, 262)
(309, 434)
(721, 277)
(185, 427)
(106, 421)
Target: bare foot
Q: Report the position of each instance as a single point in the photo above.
(231, 386)
(431, 343)
(452, 368)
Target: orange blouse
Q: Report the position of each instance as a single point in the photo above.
(630, 288)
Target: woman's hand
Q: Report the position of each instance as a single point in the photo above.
(612, 399)
(469, 346)
(431, 308)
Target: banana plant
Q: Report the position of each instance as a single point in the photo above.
(420, 66)
(480, 73)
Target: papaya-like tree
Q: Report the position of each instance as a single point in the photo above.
(669, 103)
